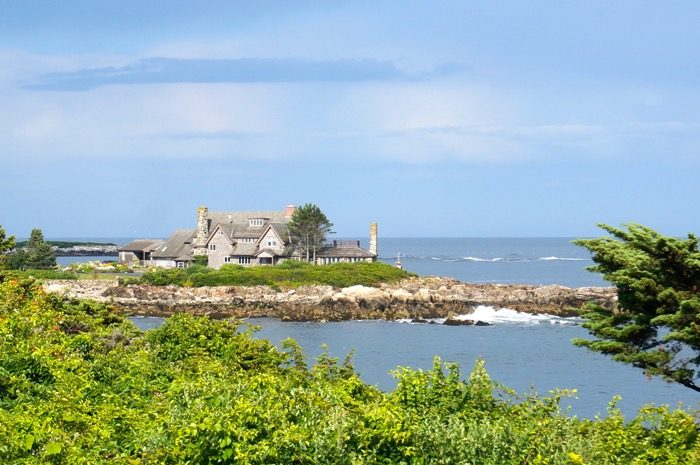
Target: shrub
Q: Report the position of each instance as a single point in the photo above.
(289, 273)
(80, 384)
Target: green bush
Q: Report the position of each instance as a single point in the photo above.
(79, 384)
(288, 274)
(38, 274)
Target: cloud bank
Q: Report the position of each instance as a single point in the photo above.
(241, 70)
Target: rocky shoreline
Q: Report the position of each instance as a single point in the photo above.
(415, 298)
(105, 250)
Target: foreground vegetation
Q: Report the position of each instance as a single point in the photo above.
(38, 274)
(287, 274)
(79, 384)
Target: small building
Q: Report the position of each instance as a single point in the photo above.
(240, 238)
(174, 252)
(344, 252)
(138, 251)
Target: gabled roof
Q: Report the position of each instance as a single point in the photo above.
(226, 228)
(280, 231)
(344, 252)
(241, 218)
(270, 252)
(243, 230)
(176, 246)
(245, 249)
(141, 245)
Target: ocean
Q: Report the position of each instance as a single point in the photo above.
(523, 352)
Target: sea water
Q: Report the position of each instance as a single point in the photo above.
(494, 260)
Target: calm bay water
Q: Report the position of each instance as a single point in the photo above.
(520, 351)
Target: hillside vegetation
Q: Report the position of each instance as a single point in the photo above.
(79, 384)
(287, 274)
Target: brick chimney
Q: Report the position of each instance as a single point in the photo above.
(373, 239)
(202, 231)
(289, 211)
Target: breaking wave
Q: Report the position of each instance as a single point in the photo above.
(501, 316)
(509, 259)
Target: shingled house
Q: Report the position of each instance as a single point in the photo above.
(241, 238)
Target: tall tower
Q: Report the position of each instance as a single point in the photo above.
(373, 239)
(202, 232)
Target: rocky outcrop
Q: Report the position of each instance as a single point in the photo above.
(86, 250)
(415, 298)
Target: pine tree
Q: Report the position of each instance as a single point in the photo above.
(656, 325)
(308, 228)
(6, 245)
(40, 255)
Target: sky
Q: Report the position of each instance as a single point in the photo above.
(432, 118)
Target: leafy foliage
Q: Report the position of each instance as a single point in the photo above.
(656, 326)
(287, 274)
(36, 274)
(308, 228)
(6, 244)
(79, 384)
(37, 254)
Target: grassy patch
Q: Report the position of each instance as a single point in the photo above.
(288, 274)
(38, 274)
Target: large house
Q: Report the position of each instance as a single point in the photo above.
(241, 238)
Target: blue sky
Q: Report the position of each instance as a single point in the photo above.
(479, 118)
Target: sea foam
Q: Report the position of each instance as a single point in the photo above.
(501, 316)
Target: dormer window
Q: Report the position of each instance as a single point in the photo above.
(256, 222)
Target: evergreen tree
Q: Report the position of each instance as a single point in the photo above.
(40, 255)
(656, 325)
(17, 259)
(308, 228)
(6, 245)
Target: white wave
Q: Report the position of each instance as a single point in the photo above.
(477, 259)
(566, 259)
(499, 316)
(442, 259)
(496, 316)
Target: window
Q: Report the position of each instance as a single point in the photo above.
(271, 242)
(212, 246)
(227, 259)
(244, 260)
(256, 221)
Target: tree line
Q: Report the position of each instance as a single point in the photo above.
(36, 254)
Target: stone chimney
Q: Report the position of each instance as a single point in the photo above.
(202, 232)
(289, 211)
(373, 239)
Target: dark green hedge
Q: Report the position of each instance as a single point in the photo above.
(287, 274)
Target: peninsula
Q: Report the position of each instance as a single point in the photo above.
(416, 298)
